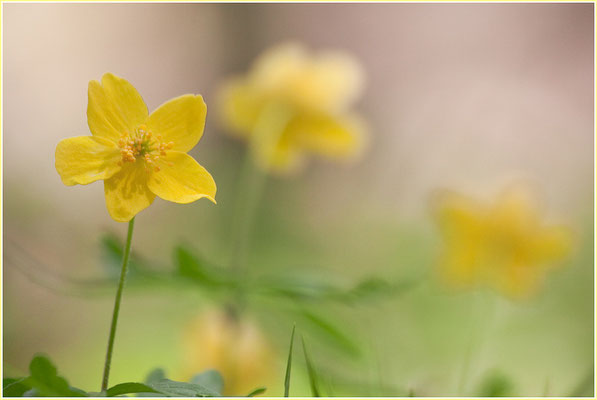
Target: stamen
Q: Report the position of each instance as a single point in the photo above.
(141, 144)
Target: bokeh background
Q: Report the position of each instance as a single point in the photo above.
(461, 96)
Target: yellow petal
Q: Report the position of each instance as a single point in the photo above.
(458, 265)
(240, 106)
(270, 144)
(280, 157)
(328, 136)
(114, 107)
(518, 281)
(180, 120)
(276, 69)
(328, 81)
(181, 179)
(85, 159)
(552, 244)
(458, 217)
(516, 210)
(127, 192)
(338, 80)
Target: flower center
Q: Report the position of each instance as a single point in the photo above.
(141, 145)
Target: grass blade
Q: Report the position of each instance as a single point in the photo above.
(585, 387)
(257, 392)
(289, 364)
(311, 371)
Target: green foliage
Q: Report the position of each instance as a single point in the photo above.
(585, 388)
(199, 271)
(206, 384)
(43, 381)
(311, 289)
(182, 389)
(257, 392)
(139, 273)
(313, 378)
(165, 387)
(295, 292)
(496, 384)
(12, 387)
(330, 333)
(289, 364)
(112, 253)
(155, 375)
(210, 379)
(129, 387)
(192, 268)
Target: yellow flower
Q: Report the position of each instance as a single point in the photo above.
(235, 348)
(137, 155)
(504, 245)
(291, 104)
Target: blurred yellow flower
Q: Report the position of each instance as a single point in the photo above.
(504, 245)
(137, 155)
(292, 103)
(234, 347)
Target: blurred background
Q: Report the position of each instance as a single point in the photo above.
(461, 96)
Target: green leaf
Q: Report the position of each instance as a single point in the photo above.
(298, 287)
(12, 387)
(129, 387)
(165, 387)
(112, 252)
(196, 269)
(257, 392)
(182, 389)
(374, 288)
(45, 380)
(112, 249)
(32, 393)
(333, 335)
(289, 364)
(210, 379)
(496, 384)
(585, 387)
(313, 379)
(155, 375)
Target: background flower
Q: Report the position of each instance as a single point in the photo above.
(234, 347)
(504, 244)
(292, 103)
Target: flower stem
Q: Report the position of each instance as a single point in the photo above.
(125, 263)
(481, 318)
(253, 179)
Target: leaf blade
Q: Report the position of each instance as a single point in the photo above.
(311, 372)
(289, 364)
(257, 392)
(128, 388)
(210, 379)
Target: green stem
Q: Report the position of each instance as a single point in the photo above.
(481, 319)
(253, 179)
(125, 263)
(252, 184)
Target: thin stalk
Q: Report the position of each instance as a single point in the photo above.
(289, 365)
(125, 263)
(267, 132)
(481, 318)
